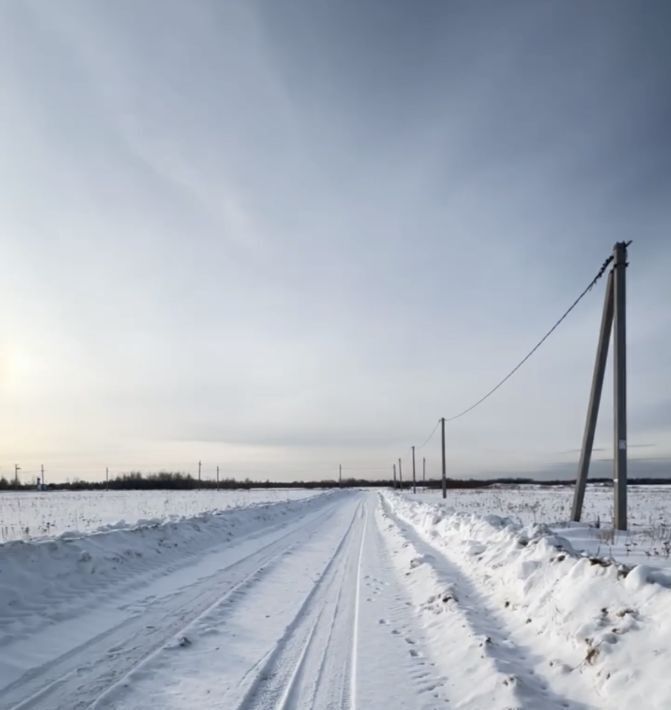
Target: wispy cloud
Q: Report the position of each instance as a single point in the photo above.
(321, 227)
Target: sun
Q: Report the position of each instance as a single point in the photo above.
(19, 368)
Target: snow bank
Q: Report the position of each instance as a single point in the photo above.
(29, 515)
(42, 582)
(648, 540)
(584, 615)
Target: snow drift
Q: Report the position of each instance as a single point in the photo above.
(589, 621)
(45, 581)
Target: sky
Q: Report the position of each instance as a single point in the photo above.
(280, 237)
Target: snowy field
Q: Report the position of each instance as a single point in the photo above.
(647, 541)
(36, 515)
(30, 515)
(340, 599)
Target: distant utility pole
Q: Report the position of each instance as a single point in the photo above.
(442, 431)
(613, 318)
(395, 486)
(217, 476)
(423, 469)
(107, 478)
(17, 468)
(400, 475)
(42, 474)
(414, 478)
(339, 474)
(199, 466)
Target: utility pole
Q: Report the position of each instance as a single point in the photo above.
(339, 475)
(17, 468)
(442, 431)
(42, 474)
(199, 465)
(217, 476)
(620, 384)
(423, 469)
(613, 318)
(414, 478)
(395, 486)
(400, 475)
(107, 478)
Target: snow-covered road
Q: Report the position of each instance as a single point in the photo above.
(344, 600)
(307, 613)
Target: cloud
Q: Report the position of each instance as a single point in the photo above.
(320, 227)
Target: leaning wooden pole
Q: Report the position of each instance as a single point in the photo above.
(594, 400)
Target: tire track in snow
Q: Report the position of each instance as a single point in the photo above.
(336, 652)
(301, 671)
(111, 658)
(357, 605)
(80, 573)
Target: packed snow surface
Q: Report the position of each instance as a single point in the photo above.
(344, 599)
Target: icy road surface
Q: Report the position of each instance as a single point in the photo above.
(353, 599)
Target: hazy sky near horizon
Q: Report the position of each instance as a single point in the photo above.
(279, 236)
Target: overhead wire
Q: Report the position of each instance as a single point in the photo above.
(501, 382)
(430, 436)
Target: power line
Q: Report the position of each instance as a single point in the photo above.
(588, 288)
(430, 436)
(501, 382)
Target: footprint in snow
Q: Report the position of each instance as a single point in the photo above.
(180, 642)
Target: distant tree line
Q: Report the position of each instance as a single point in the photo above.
(489, 482)
(184, 481)
(136, 480)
